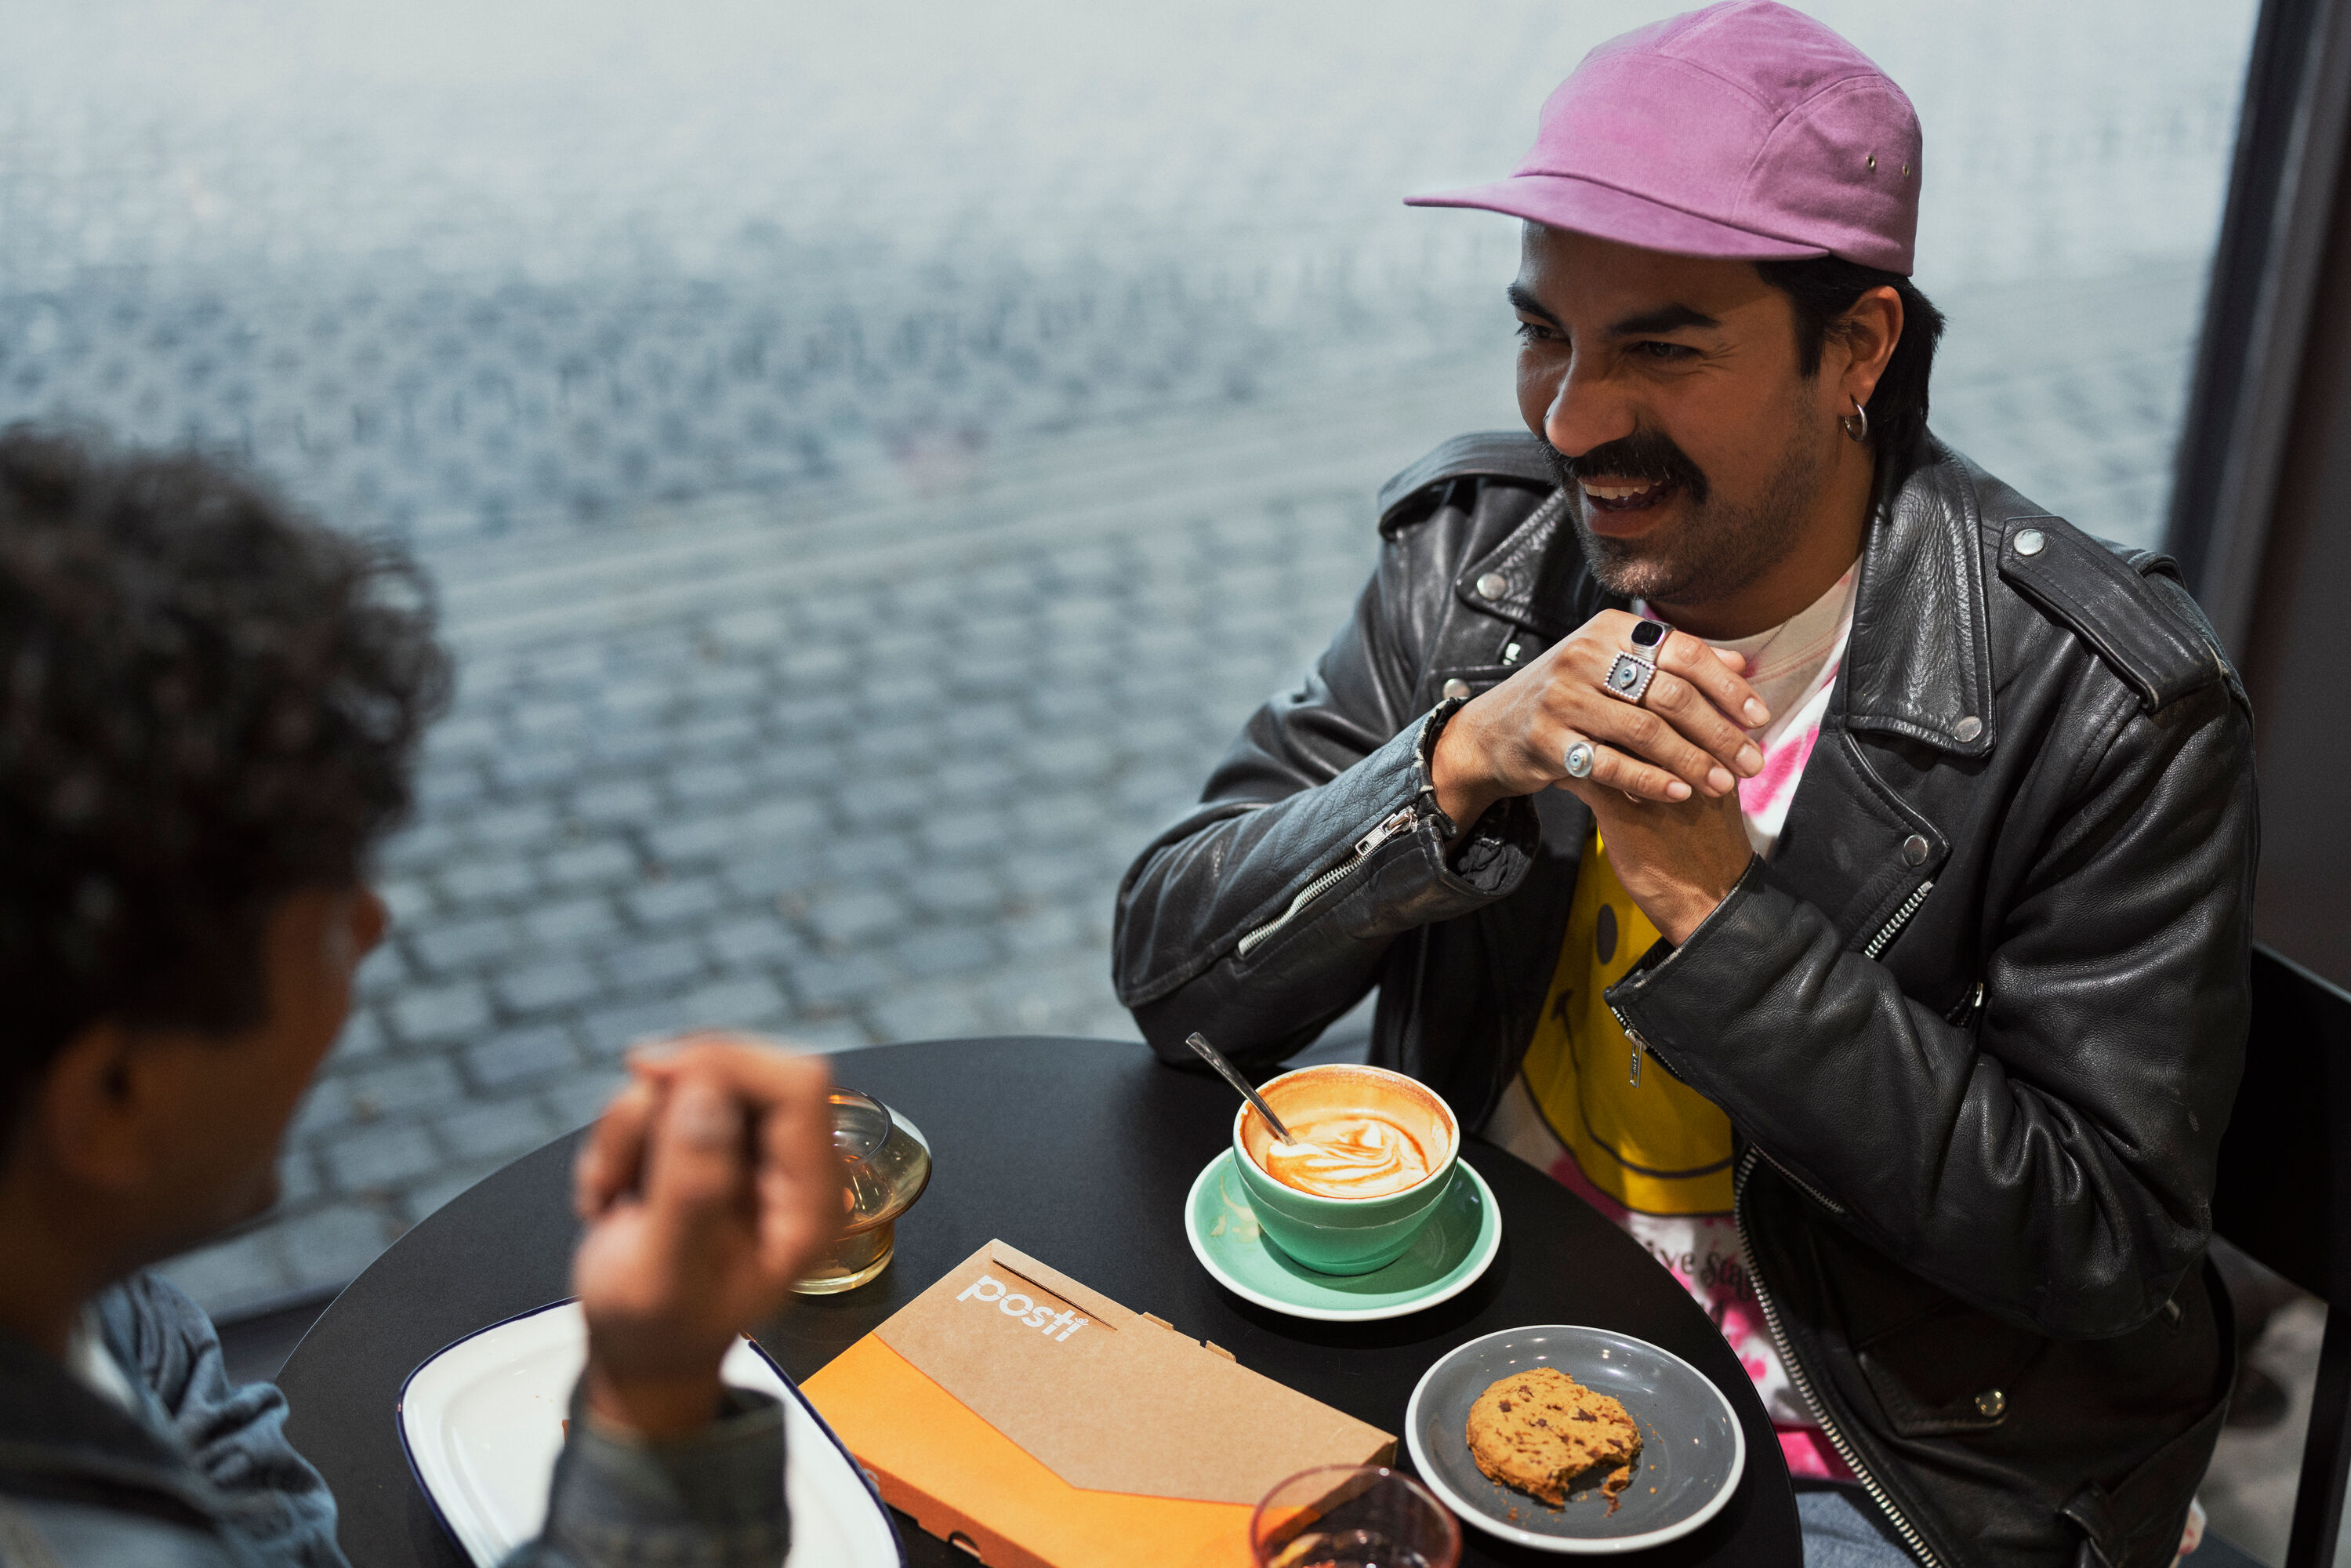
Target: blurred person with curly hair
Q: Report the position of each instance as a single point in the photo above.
(210, 707)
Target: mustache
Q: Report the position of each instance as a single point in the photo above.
(1648, 455)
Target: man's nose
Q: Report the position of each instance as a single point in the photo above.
(1585, 410)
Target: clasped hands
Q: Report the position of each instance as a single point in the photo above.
(1664, 782)
(709, 1187)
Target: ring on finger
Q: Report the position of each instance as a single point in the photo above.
(1581, 754)
(1629, 675)
(1628, 678)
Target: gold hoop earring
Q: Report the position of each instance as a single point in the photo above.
(1857, 424)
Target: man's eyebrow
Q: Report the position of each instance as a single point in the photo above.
(1664, 319)
(1525, 302)
(1646, 323)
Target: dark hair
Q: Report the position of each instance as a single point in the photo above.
(207, 701)
(1823, 288)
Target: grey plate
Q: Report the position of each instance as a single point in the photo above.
(1693, 1450)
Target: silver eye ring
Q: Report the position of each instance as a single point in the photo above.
(1628, 678)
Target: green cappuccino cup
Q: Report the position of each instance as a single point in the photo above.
(1376, 1155)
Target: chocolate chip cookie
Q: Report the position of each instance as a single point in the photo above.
(1541, 1431)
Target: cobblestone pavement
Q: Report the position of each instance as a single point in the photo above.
(873, 460)
(449, 268)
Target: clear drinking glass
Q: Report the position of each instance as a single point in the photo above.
(1348, 1516)
(885, 1164)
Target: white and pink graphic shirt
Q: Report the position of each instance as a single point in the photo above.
(1792, 667)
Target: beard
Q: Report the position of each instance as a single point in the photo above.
(1719, 548)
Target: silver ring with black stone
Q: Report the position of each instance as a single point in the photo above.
(1628, 678)
(1581, 755)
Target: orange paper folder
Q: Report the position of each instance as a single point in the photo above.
(1045, 1426)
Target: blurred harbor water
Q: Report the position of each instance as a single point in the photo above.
(874, 456)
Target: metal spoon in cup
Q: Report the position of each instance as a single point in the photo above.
(1216, 1058)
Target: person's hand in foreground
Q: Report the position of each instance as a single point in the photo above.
(709, 1185)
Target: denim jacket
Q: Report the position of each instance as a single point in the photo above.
(201, 1475)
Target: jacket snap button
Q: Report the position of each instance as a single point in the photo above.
(1990, 1402)
(1493, 585)
(1967, 729)
(2030, 541)
(1457, 689)
(1914, 850)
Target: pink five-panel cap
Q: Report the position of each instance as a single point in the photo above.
(1745, 130)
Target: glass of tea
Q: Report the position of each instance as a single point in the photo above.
(1354, 1516)
(885, 1163)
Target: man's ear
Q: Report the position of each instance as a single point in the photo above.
(88, 1114)
(1867, 335)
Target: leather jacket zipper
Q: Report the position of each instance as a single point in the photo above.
(1802, 1381)
(1395, 823)
(1640, 1043)
(1893, 928)
(1807, 1188)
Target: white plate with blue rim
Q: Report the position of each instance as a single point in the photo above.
(483, 1420)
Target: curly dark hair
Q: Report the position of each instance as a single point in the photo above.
(1823, 288)
(207, 701)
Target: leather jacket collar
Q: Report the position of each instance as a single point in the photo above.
(1919, 663)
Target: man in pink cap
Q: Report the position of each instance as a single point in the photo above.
(1831, 866)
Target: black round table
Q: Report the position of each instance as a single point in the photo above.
(1079, 1153)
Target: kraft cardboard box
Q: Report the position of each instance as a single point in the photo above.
(1050, 1426)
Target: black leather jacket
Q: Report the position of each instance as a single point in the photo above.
(1976, 1023)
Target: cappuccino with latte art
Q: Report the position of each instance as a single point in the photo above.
(1361, 1132)
(1356, 1155)
(1374, 1157)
